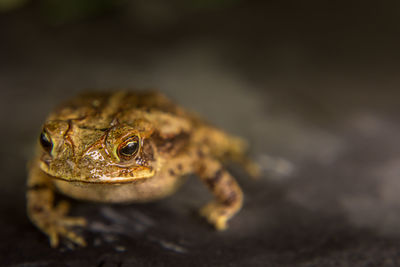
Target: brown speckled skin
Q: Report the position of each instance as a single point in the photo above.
(85, 160)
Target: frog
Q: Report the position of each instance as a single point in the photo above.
(128, 146)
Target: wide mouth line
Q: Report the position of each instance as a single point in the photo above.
(115, 180)
(100, 180)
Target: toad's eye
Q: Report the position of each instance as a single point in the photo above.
(45, 141)
(129, 148)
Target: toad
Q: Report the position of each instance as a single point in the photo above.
(119, 147)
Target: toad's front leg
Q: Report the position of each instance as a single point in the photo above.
(228, 195)
(50, 219)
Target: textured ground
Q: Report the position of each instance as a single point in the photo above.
(313, 87)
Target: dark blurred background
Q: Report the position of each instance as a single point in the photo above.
(312, 85)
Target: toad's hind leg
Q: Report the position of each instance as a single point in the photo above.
(49, 219)
(228, 195)
(226, 147)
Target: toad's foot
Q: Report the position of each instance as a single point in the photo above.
(51, 220)
(251, 167)
(217, 214)
(55, 224)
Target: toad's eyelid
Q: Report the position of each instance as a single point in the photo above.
(134, 138)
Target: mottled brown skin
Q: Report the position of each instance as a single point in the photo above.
(128, 147)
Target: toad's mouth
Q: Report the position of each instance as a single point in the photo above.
(137, 174)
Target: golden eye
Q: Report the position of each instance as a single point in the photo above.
(129, 148)
(45, 141)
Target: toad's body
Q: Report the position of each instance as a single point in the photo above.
(127, 147)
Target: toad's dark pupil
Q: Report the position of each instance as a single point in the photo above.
(45, 142)
(129, 149)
